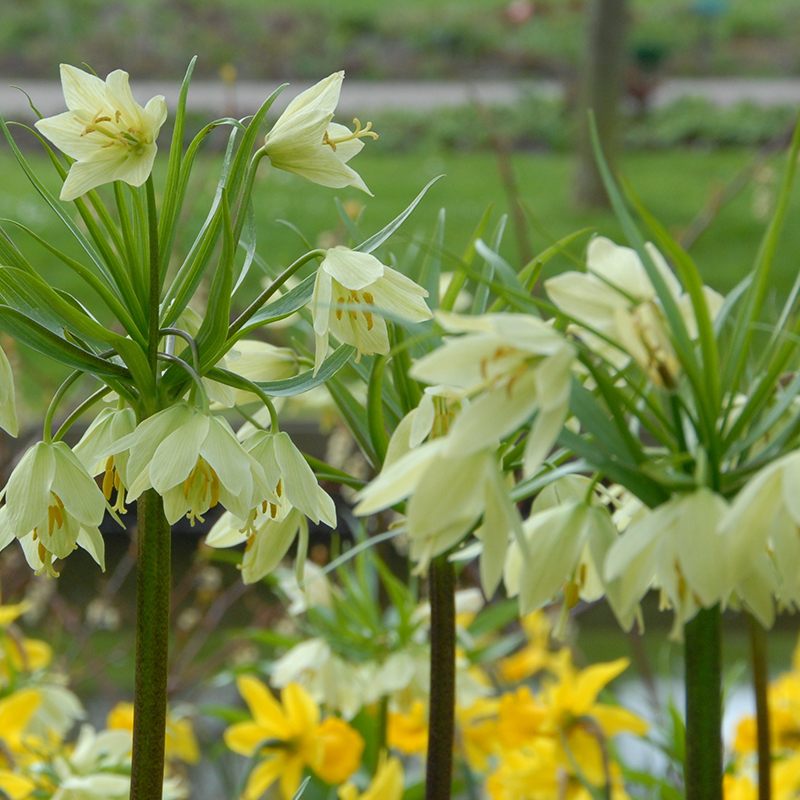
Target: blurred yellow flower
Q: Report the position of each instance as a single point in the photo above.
(180, 743)
(290, 737)
(386, 785)
(342, 748)
(408, 732)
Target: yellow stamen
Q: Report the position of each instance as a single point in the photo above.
(358, 133)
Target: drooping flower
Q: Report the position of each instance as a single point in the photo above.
(513, 366)
(276, 517)
(306, 142)
(289, 736)
(110, 136)
(108, 427)
(617, 300)
(448, 494)
(194, 461)
(679, 546)
(348, 279)
(52, 506)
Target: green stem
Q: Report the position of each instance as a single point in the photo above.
(152, 639)
(758, 656)
(47, 432)
(441, 712)
(703, 663)
(271, 289)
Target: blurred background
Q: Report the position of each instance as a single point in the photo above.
(695, 102)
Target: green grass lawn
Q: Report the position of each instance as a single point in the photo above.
(675, 185)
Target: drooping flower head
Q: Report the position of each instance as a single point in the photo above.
(193, 460)
(347, 280)
(306, 142)
(52, 506)
(110, 136)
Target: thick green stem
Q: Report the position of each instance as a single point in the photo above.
(703, 658)
(758, 656)
(152, 636)
(441, 713)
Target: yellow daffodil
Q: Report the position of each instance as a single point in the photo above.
(351, 291)
(110, 136)
(290, 737)
(180, 743)
(342, 748)
(536, 656)
(568, 714)
(16, 712)
(408, 732)
(387, 784)
(306, 142)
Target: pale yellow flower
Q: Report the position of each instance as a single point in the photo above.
(110, 136)
(306, 142)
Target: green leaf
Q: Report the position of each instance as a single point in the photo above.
(460, 277)
(214, 329)
(491, 262)
(432, 265)
(34, 297)
(248, 141)
(348, 223)
(629, 476)
(173, 192)
(354, 417)
(42, 339)
(494, 617)
(191, 270)
(286, 304)
(375, 241)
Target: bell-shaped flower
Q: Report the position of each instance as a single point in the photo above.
(680, 547)
(52, 506)
(8, 407)
(571, 534)
(351, 291)
(268, 540)
(513, 366)
(447, 494)
(306, 142)
(616, 300)
(435, 413)
(107, 428)
(763, 522)
(276, 517)
(110, 136)
(194, 461)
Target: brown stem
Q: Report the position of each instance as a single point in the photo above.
(758, 655)
(441, 714)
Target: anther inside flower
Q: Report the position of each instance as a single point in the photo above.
(112, 481)
(201, 490)
(358, 133)
(110, 136)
